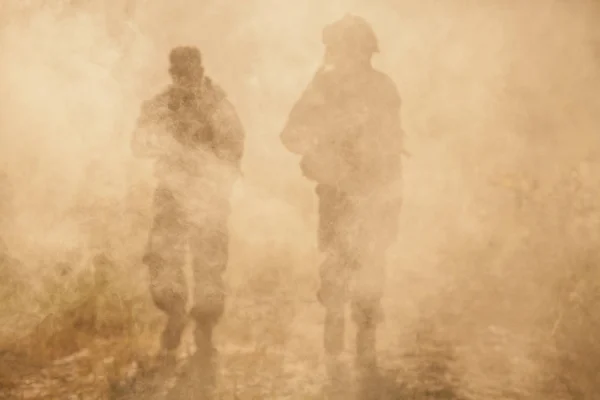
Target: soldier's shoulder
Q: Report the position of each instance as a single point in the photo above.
(157, 101)
(324, 76)
(214, 91)
(323, 80)
(218, 103)
(386, 87)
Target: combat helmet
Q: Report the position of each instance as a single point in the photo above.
(351, 33)
(185, 55)
(184, 59)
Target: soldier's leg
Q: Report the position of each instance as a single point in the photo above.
(332, 295)
(377, 232)
(210, 254)
(333, 270)
(367, 290)
(165, 258)
(367, 312)
(210, 247)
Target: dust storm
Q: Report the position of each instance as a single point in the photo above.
(496, 255)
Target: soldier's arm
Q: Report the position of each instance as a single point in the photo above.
(301, 129)
(139, 142)
(149, 128)
(230, 137)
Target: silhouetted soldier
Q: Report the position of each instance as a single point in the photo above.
(346, 127)
(197, 140)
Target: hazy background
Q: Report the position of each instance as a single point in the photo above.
(501, 112)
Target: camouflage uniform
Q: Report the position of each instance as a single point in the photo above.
(200, 143)
(346, 127)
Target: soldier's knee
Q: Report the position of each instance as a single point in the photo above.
(208, 312)
(210, 251)
(220, 251)
(168, 300)
(334, 331)
(331, 297)
(209, 301)
(367, 311)
(153, 260)
(167, 289)
(332, 293)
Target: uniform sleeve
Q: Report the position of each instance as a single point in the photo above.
(149, 126)
(302, 124)
(230, 137)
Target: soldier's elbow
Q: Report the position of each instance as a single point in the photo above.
(138, 150)
(292, 142)
(135, 148)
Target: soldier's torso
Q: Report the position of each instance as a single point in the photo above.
(350, 122)
(359, 96)
(188, 165)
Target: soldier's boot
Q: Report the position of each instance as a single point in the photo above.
(366, 319)
(333, 335)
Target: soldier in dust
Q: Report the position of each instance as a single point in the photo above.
(194, 135)
(346, 126)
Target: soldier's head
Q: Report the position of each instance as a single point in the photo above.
(349, 41)
(186, 67)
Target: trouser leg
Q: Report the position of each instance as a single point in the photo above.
(333, 270)
(210, 247)
(367, 289)
(165, 258)
(332, 295)
(360, 229)
(366, 311)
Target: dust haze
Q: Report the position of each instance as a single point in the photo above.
(497, 253)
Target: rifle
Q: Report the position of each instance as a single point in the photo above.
(179, 114)
(190, 123)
